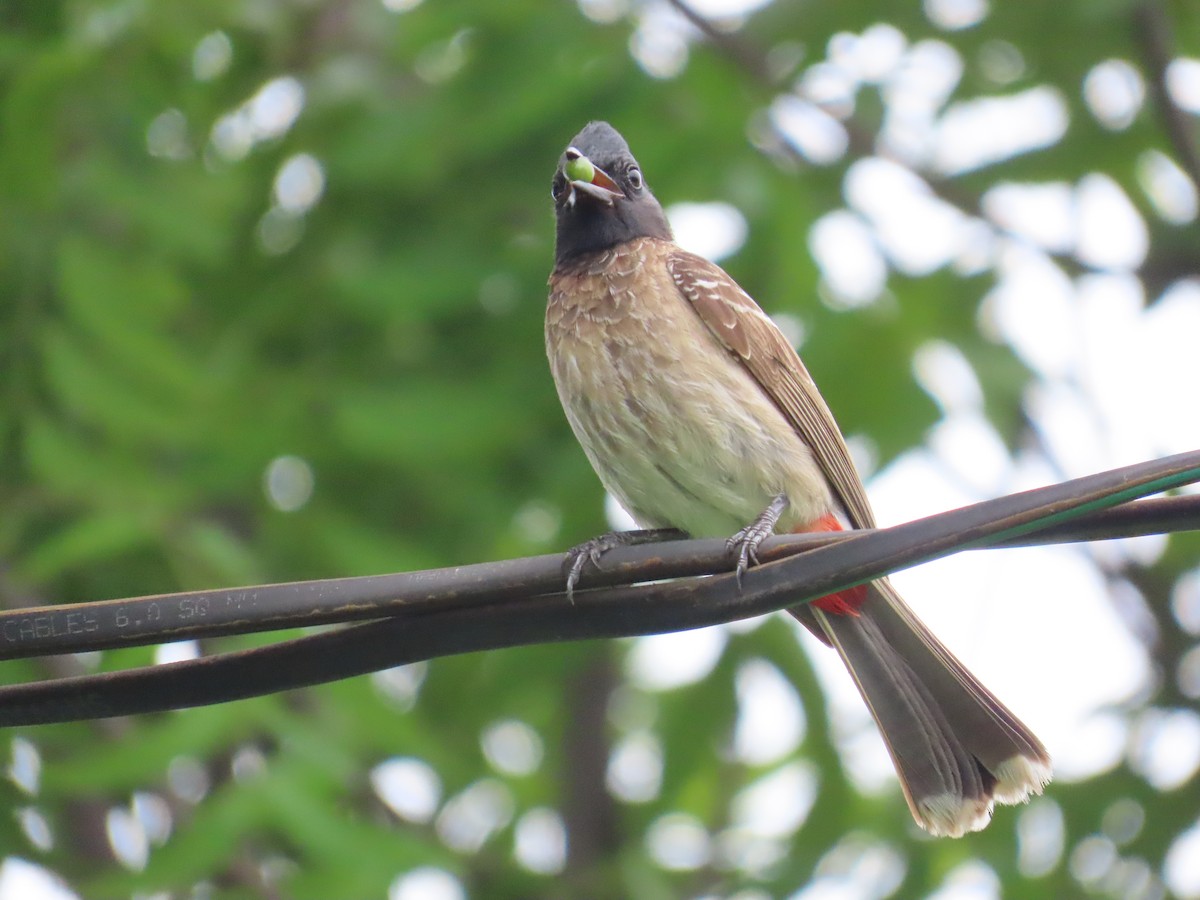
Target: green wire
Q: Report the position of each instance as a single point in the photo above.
(1137, 491)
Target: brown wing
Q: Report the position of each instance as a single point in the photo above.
(748, 333)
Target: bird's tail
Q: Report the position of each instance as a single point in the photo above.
(957, 749)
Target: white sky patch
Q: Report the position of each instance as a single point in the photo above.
(977, 248)
(1097, 745)
(604, 12)
(176, 651)
(127, 838)
(977, 133)
(1183, 83)
(23, 880)
(770, 722)
(914, 94)
(869, 57)
(154, 814)
(1092, 859)
(1187, 676)
(1077, 431)
(1085, 433)
(1123, 821)
(1041, 835)
(659, 44)
(1168, 187)
(726, 9)
(1112, 234)
(1032, 309)
(660, 662)
(409, 787)
(1112, 323)
(777, 804)
(299, 183)
(971, 452)
(812, 132)
(540, 841)
(1166, 747)
(971, 880)
(954, 15)
(25, 769)
(401, 684)
(618, 517)
(1185, 602)
(856, 868)
(1043, 213)
(1181, 869)
(512, 747)
(712, 230)
(426, 883)
(1068, 425)
(1106, 362)
(212, 55)
(946, 375)
(791, 326)
(473, 815)
(188, 779)
(926, 77)
(635, 768)
(678, 842)
(275, 107)
(267, 115)
(831, 87)
(919, 232)
(35, 827)
(1114, 91)
(852, 267)
(1167, 356)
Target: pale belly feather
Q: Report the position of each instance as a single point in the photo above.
(674, 426)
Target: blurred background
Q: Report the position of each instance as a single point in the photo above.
(272, 278)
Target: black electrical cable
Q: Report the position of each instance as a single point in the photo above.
(455, 626)
(152, 619)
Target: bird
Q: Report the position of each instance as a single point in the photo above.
(699, 417)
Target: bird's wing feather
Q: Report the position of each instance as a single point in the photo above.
(750, 335)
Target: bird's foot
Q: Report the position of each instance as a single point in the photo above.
(747, 540)
(592, 550)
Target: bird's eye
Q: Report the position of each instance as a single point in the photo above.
(559, 186)
(634, 175)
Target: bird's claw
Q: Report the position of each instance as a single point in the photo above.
(746, 541)
(589, 551)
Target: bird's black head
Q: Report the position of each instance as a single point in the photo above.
(600, 196)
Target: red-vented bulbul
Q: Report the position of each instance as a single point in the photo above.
(698, 415)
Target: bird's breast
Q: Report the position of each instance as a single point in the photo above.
(676, 429)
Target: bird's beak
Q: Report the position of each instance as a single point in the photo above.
(589, 179)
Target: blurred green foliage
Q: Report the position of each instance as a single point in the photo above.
(169, 328)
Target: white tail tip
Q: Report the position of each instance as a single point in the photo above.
(1019, 778)
(948, 815)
